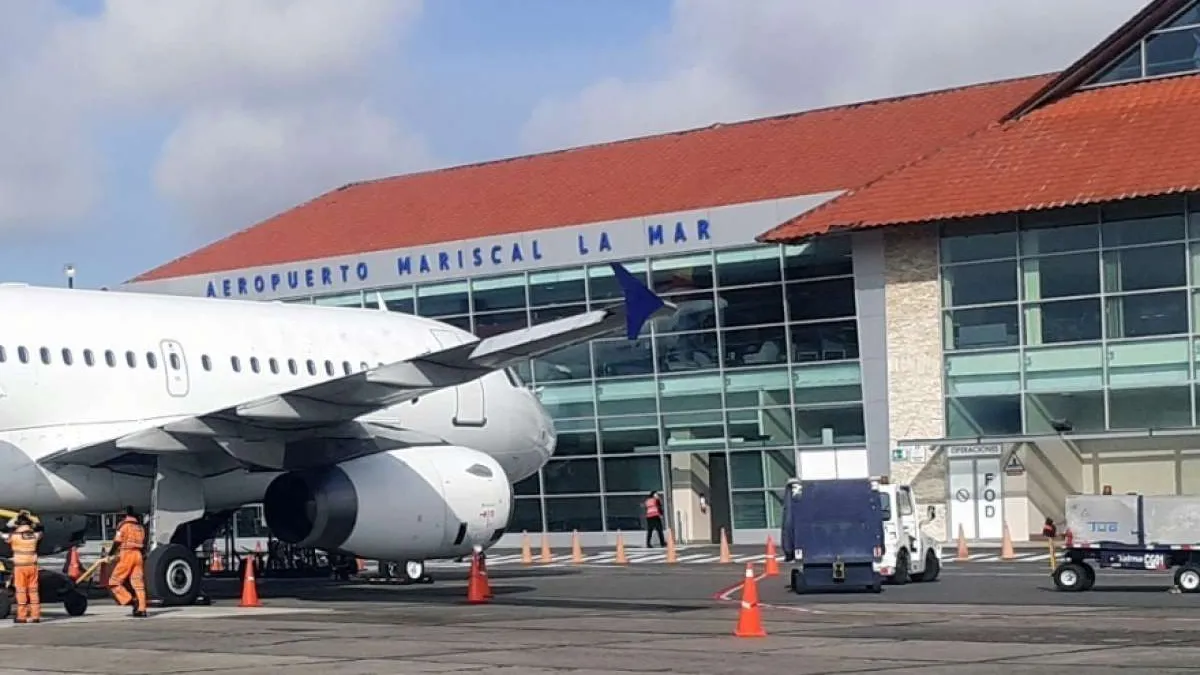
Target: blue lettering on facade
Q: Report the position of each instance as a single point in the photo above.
(513, 253)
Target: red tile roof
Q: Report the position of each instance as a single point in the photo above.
(1118, 142)
(805, 153)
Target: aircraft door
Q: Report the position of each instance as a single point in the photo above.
(175, 367)
(469, 409)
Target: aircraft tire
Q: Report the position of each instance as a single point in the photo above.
(173, 575)
(6, 603)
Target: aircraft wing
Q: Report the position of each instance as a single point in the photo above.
(252, 432)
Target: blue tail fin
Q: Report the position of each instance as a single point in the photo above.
(640, 302)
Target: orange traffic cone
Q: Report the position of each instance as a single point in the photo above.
(249, 586)
(726, 557)
(1006, 546)
(483, 575)
(576, 549)
(671, 557)
(214, 565)
(526, 550)
(750, 617)
(771, 566)
(362, 565)
(476, 595)
(74, 569)
(546, 557)
(963, 554)
(621, 559)
(104, 573)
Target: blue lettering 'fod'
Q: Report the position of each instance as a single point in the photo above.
(640, 302)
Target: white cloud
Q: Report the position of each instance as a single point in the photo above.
(232, 164)
(272, 89)
(723, 60)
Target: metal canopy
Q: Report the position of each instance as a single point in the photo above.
(1133, 440)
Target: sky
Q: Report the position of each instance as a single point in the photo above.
(135, 131)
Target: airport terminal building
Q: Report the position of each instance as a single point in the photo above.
(992, 292)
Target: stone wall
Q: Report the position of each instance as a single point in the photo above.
(914, 334)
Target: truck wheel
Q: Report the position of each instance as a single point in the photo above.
(75, 603)
(1090, 580)
(1071, 577)
(901, 575)
(933, 566)
(173, 575)
(1187, 578)
(798, 584)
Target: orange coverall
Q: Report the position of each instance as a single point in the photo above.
(131, 537)
(24, 541)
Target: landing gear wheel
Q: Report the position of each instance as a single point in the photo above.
(1072, 577)
(798, 584)
(875, 588)
(900, 576)
(75, 603)
(173, 575)
(933, 567)
(1187, 578)
(6, 603)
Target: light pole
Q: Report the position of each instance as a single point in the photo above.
(69, 270)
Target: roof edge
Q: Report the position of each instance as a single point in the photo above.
(1100, 56)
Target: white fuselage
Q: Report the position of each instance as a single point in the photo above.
(75, 369)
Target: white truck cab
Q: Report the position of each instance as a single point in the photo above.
(909, 554)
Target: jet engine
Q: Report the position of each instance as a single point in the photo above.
(60, 534)
(410, 504)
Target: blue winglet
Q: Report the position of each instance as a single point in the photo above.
(640, 302)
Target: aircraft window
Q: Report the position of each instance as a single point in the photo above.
(173, 358)
(89, 358)
(66, 354)
(363, 366)
(312, 367)
(3, 354)
(346, 367)
(45, 354)
(151, 360)
(110, 358)
(131, 359)
(236, 363)
(205, 362)
(23, 354)
(292, 367)
(254, 363)
(329, 368)
(274, 365)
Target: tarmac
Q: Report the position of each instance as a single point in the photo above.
(979, 617)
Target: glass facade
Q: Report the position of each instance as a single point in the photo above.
(1082, 319)
(760, 362)
(1170, 49)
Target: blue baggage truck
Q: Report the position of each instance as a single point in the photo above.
(833, 534)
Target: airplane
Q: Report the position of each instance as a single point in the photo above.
(368, 433)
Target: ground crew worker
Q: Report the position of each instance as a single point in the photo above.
(654, 522)
(129, 541)
(22, 534)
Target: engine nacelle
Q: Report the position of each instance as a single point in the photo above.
(60, 534)
(412, 504)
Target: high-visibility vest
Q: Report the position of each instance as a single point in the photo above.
(131, 535)
(24, 543)
(652, 508)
